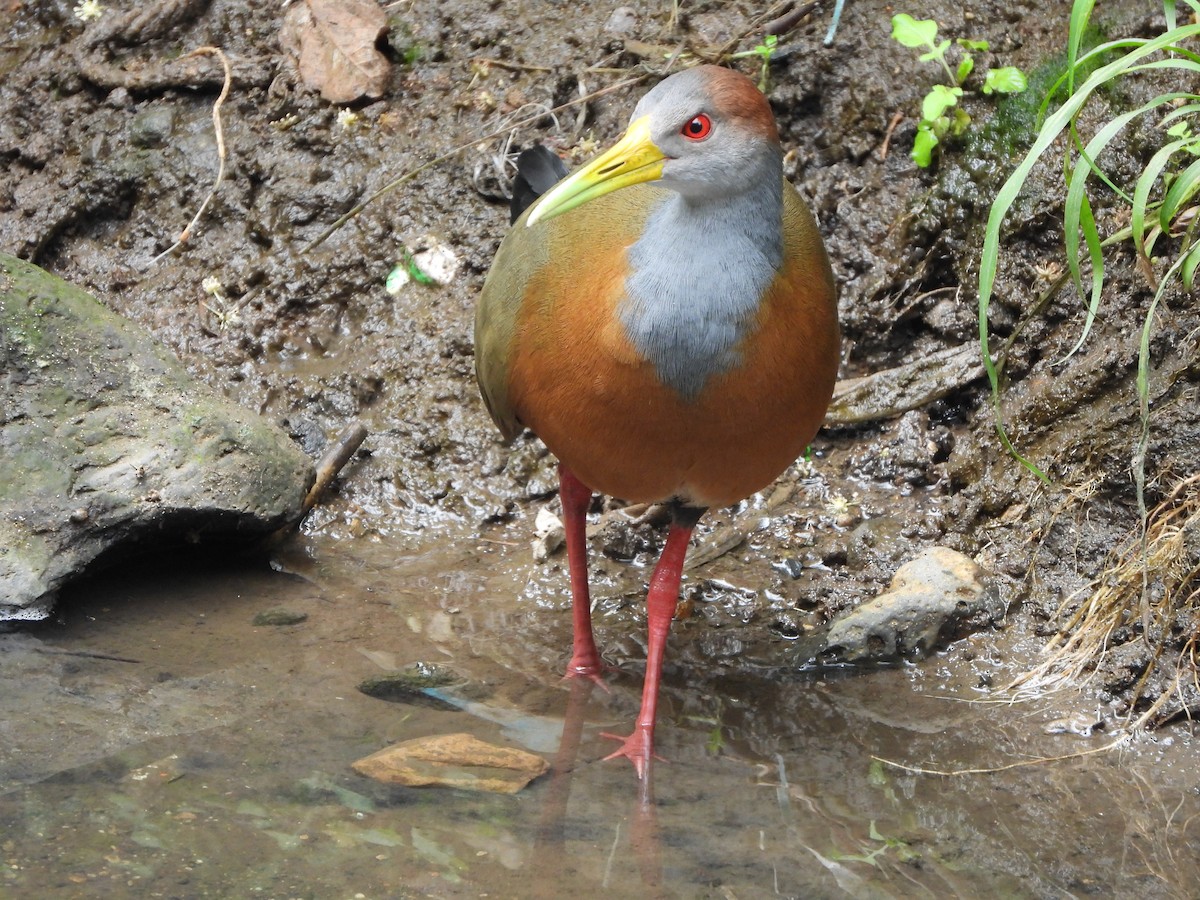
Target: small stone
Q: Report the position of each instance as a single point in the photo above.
(791, 567)
(1081, 724)
(152, 127)
(453, 760)
(550, 535)
(932, 597)
(279, 616)
(622, 20)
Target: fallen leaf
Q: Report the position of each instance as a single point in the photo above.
(333, 42)
(453, 760)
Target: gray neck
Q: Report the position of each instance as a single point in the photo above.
(698, 274)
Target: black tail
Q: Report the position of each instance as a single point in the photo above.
(538, 170)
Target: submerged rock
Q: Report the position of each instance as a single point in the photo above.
(415, 686)
(107, 444)
(931, 598)
(278, 617)
(453, 760)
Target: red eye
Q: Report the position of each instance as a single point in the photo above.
(698, 128)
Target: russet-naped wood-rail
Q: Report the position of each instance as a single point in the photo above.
(665, 320)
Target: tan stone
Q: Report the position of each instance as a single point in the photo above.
(453, 760)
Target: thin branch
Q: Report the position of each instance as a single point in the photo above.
(1041, 760)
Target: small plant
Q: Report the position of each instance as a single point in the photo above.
(223, 309)
(763, 51)
(940, 113)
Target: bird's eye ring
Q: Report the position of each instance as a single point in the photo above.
(697, 128)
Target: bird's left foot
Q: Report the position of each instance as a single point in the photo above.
(589, 666)
(638, 748)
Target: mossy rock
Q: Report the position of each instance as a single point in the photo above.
(107, 445)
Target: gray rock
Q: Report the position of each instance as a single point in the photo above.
(279, 617)
(106, 442)
(932, 597)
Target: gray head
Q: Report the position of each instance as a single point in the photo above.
(707, 133)
(715, 130)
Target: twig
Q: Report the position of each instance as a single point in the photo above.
(220, 133)
(897, 118)
(511, 66)
(1041, 760)
(735, 533)
(332, 462)
(335, 458)
(87, 654)
(771, 15)
(790, 20)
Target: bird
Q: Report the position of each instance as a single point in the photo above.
(664, 319)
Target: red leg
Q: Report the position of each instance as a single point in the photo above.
(576, 498)
(660, 609)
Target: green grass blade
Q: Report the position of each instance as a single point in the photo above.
(1187, 271)
(1143, 382)
(1049, 132)
(1182, 189)
(1179, 59)
(1083, 219)
(1093, 54)
(1081, 12)
(1188, 109)
(1141, 193)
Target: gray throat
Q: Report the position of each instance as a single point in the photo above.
(698, 274)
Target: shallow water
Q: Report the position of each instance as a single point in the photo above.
(211, 757)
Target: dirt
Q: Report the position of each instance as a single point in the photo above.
(109, 150)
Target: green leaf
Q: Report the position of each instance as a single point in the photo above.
(1179, 130)
(1182, 189)
(1078, 217)
(938, 52)
(715, 741)
(414, 270)
(1141, 193)
(965, 68)
(1005, 80)
(968, 44)
(1081, 11)
(923, 144)
(939, 99)
(912, 32)
(1188, 269)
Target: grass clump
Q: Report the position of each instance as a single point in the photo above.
(1144, 601)
(1147, 598)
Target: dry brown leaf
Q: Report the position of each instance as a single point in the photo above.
(333, 42)
(453, 760)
